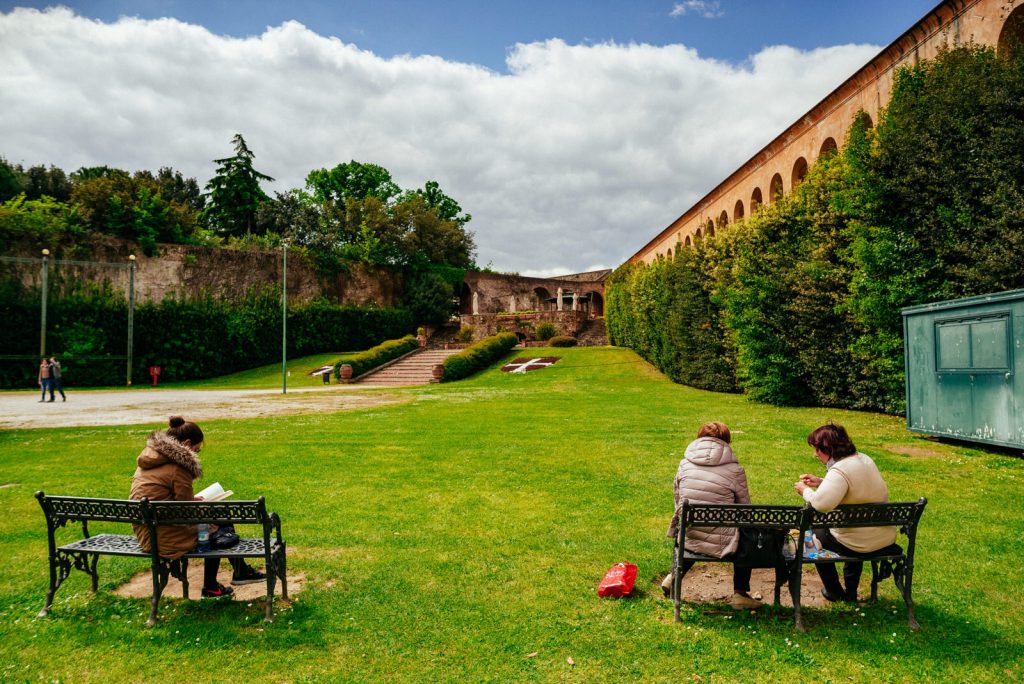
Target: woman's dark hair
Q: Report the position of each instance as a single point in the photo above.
(181, 429)
(833, 441)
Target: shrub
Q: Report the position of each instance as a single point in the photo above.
(465, 333)
(562, 341)
(478, 356)
(376, 356)
(545, 331)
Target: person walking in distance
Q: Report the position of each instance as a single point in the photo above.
(44, 379)
(56, 380)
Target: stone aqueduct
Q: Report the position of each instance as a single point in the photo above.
(781, 165)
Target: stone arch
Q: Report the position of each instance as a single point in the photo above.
(723, 220)
(775, 188)
(1011, 36)
(828, 147)
(596, 302)
(688, 243)
(541, 295)
(799, 171)
(756, 200)
(465, 299)
(699, 235)
(737, 211)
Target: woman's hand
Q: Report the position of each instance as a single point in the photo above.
(810, 480)
(799, 487)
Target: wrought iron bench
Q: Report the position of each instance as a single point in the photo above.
(83, 553)
(891, 561)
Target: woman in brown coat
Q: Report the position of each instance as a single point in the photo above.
(166, 469)
(710, 473)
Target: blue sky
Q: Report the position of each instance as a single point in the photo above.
(480, 31)
(573, 132)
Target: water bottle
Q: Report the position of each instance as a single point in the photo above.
(204, 538)
(809, 547)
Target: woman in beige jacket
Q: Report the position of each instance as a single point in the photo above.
(710, 473)
(852, 478)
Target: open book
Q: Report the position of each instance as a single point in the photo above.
(214, 493)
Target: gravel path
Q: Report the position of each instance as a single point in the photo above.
(135, 407)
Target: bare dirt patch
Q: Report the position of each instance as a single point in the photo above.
(135, 407)
(712, 583)
(141, 585)
(911, 450)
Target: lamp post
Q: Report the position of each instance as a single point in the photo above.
(284, 318)
(42, 304)
(131, 314)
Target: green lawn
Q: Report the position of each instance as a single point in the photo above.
(450, 537)
(269, 377)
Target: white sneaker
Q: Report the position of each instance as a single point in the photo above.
(744, 602)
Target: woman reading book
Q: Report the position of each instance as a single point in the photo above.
(166, 469)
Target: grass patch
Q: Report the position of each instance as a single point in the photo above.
(449, 537)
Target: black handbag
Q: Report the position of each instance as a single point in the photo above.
(224, 538)
(760, 547)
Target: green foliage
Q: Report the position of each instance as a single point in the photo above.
(465, 333)
(41, 221)
(477, 357)
(563, 341)
(188, 338)
(801, 301)
(376, 356)
(354, 180)
(545, 331)
(234, 193)
(429, 297)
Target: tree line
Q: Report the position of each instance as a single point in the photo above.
(799, 304)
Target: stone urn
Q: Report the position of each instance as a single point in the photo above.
(345, 372)
(422, 340)
(437, 372)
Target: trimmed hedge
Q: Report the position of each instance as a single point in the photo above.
(188, 338)
(562, 341)
(376, 356)
(477, 357)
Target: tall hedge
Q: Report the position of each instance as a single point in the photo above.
(800, 303)
(188, 338)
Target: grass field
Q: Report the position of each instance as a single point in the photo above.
(451, 537)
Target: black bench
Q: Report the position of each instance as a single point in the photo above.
(83, 553)
(889, 562)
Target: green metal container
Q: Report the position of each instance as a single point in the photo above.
(964, 360)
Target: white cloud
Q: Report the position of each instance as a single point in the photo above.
(708, 9)
(571, 161)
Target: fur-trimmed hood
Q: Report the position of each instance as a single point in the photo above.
(161, 449)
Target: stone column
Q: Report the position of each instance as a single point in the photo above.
(476, 303)
(559, 303)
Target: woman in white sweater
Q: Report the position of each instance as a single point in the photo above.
(852, 478)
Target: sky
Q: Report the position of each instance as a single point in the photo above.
(572, 131)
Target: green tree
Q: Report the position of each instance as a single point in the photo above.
(354, 180)
(234, 193)
(10, 181)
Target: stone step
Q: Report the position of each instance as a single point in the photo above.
(416, 369)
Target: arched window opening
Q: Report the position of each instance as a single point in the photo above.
(828, 147)
(688, 243)
(799, 171)
(1011, 37)
(698, 235)
(723, 220)
(541, 297)
(775, 191)
(737, 211)
(756, 200)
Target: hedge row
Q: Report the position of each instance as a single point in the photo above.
(799, 304)
(188, 339)
(478, 356)
(375, 356)
(562, 341)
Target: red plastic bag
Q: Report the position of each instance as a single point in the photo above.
(618, 581)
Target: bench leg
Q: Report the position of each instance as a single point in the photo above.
(284, 576)
(60, 568)
(95, 575)
(874, 581)
(795, 578)
(160, 573)
(903, 575)
(271, 580)
(184, 577)
(677, 585)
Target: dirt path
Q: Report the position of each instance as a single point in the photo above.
(134, 407)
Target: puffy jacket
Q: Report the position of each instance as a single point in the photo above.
(709, 473)
(166, 469)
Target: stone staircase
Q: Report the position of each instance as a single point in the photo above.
(415, 369)
(594, 334)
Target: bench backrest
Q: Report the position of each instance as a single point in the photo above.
(60, 510)
(694, 514)
(902, 514)
(217, 512)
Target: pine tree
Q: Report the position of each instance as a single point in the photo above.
(234, 193)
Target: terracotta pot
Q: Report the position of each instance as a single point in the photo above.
(422, 339)
(345, 372)
(438, 372)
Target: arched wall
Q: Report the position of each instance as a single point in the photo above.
(952, 23)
